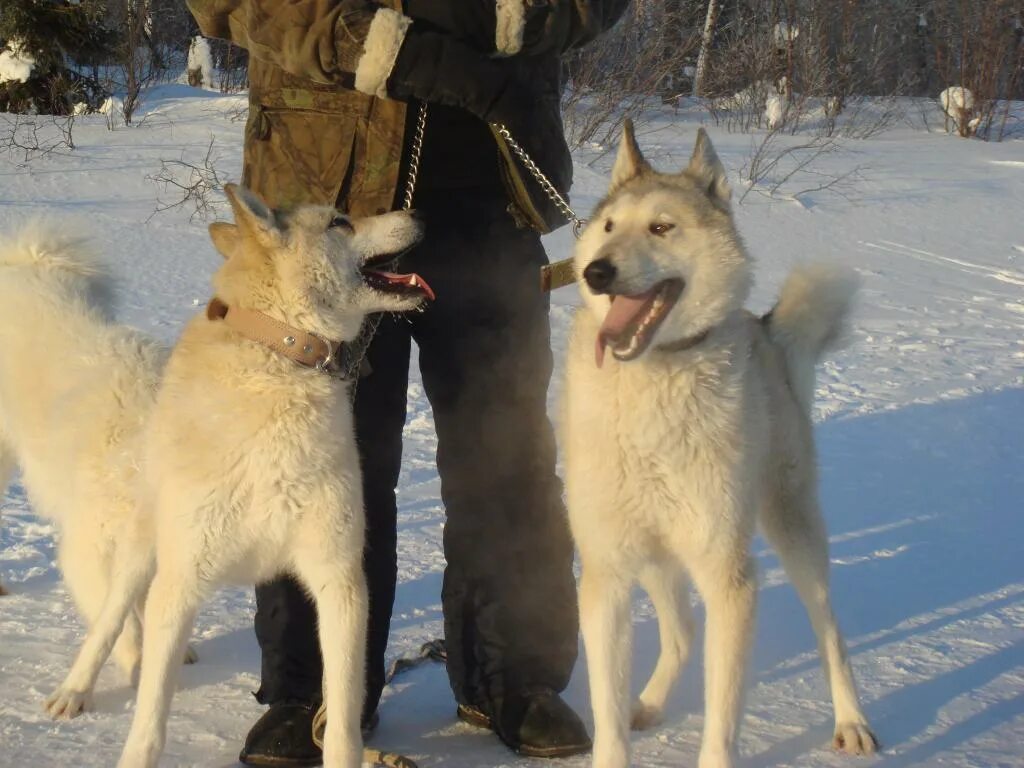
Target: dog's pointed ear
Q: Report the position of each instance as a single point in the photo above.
(251, 213)
(709, 171)
(629, 163)
(225, 238)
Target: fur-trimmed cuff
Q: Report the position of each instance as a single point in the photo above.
(380, 50)
(510, 26)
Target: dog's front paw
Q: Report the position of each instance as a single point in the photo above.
(191, 657)
(854, 739)
(66, 704)
(644, 716)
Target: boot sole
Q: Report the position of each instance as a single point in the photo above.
(279, 762)
(473, 716)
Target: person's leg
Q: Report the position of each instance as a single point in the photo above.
(286, 622)
(380, 419)
(509, 594)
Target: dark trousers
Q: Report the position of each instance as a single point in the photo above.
(509, 595)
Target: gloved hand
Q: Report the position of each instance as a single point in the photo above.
(434, 67)
(470, 21)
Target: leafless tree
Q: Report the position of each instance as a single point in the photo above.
(706, 41)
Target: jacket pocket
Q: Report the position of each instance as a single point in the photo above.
(295, 156)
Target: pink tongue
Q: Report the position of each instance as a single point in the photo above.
(623, 311)
(411, 279)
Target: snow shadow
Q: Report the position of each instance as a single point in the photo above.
(923, 507)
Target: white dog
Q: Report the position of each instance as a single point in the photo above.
(696, 428)
(75, 391)
(250, 459)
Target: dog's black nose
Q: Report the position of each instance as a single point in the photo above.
(599, 275)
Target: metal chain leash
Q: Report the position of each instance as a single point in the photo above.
(545, 183)
(435, 650)
(415, 153)
(361, 344)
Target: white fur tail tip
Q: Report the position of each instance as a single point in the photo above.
(813, 308)
(47, 248)
(810, 319)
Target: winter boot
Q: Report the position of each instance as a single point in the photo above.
(283, 737)
(535, 723)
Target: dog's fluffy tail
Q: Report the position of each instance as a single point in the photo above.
(810, 319)
(66, 256)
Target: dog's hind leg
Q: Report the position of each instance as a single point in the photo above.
(170, 611)
(339, 589)
(792, 523)
(725, 579)
(127, 651)
(130, 573)
(668, 587)
(607, 635)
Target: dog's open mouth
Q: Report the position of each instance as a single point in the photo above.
(403, 284)
(399, 283)
(632, 321)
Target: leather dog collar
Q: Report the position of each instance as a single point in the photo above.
(309, 350)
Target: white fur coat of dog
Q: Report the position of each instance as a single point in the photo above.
(694, 429)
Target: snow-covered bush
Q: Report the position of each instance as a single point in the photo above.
(199, 69)
(775, 111)
(785, 33)
(958, 106)
(15, 63)
(113, 110)
(47, 53)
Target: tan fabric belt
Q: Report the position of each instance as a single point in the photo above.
(305, 348)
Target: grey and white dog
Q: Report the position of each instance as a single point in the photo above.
(694, 428)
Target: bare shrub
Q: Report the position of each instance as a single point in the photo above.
(232, 64)
(191, 186)
(648, 54)
(27, 137)
(789, 170)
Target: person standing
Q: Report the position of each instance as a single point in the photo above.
(336, 92)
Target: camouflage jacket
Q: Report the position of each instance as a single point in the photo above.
(319, 131)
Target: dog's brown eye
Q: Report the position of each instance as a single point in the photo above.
(609, 226)
(660, 228)
(340, 222)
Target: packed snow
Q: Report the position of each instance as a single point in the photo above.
(919, 428)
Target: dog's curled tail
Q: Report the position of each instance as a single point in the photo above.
(66, 256)
(810, 319)
(47, 248)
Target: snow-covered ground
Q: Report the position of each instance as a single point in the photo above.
(920, 427)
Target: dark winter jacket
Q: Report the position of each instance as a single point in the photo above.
(329, 81)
